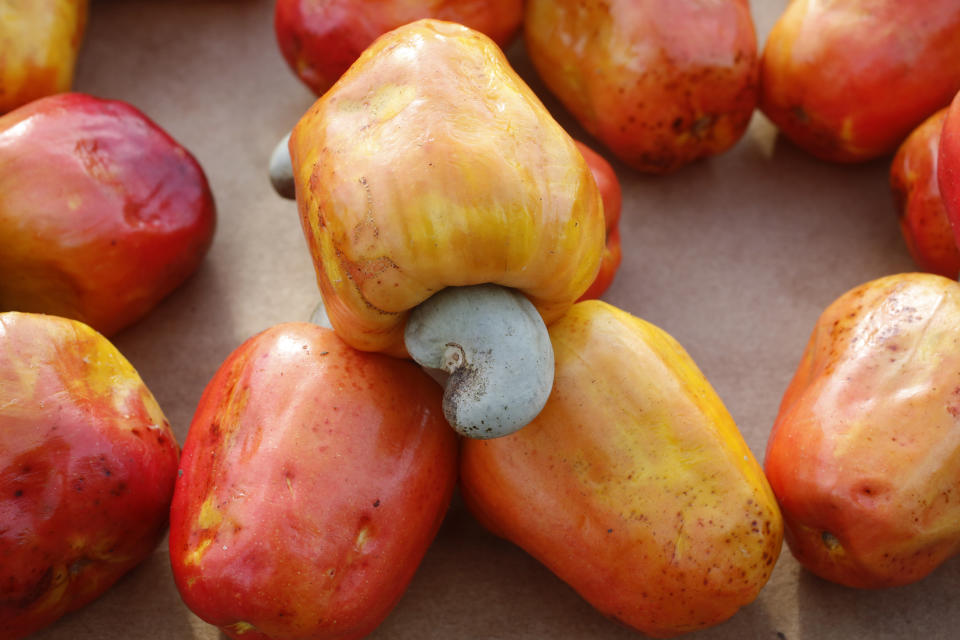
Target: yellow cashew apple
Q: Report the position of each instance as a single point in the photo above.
(430, 164)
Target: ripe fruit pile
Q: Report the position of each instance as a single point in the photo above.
(453, 222)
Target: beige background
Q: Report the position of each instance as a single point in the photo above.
(736, 257)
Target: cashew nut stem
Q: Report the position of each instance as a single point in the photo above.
(495, 347)
(281, 170)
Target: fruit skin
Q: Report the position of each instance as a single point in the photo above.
(313, 478)
(922, 214)
(848, 80)
(612, 197)
(40, 40)
(948, 166)
(633, 485)
(102, 214)
(87, 465)
(320, 39)
(661, 83)
(864, 456)
(431, 164)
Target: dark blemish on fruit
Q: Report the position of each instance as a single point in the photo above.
(376, 503)
(830, 541)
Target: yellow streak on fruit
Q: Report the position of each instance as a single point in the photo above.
(194, 557)
(209, 516)
(846, 131)
(362, 537)
(390, 100)
(241, 627)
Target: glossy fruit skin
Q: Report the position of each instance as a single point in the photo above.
(848, 80)
(948, 166)
(922, 214)
(40, 40)
(660, 83)
(431, 164)
(864, 456)
(633, 485)
(320, 39)
(87, 465)
(102, 214)
(313, 478)
(612, 197)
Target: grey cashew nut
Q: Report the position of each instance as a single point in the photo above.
(281, 170)
(319, 316)
(495, 347)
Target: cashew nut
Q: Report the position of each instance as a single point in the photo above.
(319, 316)
(281, 170)
(495, 347)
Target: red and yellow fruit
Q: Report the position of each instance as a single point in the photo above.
(923, 217)
(87, 466)
(102, 213)
(848, 80)
(864, 457)
(313, 478)
(320, 39)
(633, 484)
(661, 83)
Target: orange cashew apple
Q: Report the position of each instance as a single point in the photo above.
(864, 456)
(661, 83)
(848, 80)
(633, 484)
(428, 166)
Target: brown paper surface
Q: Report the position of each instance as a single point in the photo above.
(735, 257)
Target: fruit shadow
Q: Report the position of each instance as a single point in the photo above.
(924, 609)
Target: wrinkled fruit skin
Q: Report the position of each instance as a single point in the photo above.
(633, 485)
(848, 80)
(660, 83)
(922, 214)
(612, 197)
(431, 164)
(948, 167)
(87, 465)
(864, 456)
(313, 479)
(102, 214)
(320, 39)
(40, 40)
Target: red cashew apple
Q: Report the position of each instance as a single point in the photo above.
(948, 168)
(612, 196)
(923, 217)
(87, 466)
(320, 39)
(848, 80)
(102, 213)
(313, 479)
